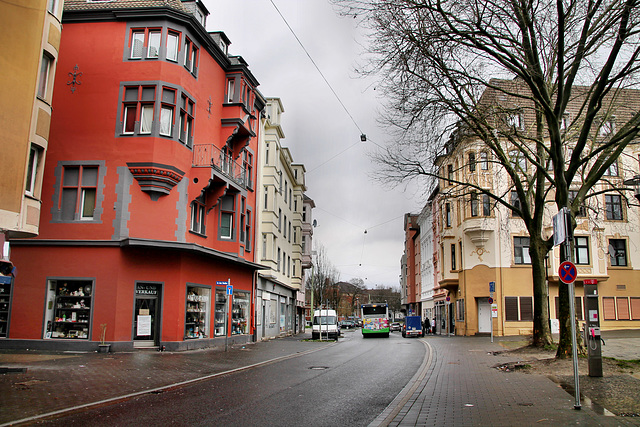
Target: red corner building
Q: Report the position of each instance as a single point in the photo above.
(148, 202)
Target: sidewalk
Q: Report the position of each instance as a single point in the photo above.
(458, 384)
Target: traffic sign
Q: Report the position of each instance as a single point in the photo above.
(567, 272)
(490, 300)
(492, 286)
(229, 289)
(448, 298)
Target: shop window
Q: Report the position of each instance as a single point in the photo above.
(6, 288)
(618, 252)
(220, 323)
(68, 313)
(581, 250)
(521, 250)
(78, 195)
(197, 313)
(240, 313)
(613, 205)
(198, 218)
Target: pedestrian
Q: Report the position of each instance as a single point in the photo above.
(433, 325)
(426, 325)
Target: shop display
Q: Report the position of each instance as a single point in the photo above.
(219, 323)
(72, 313)
(240, 313)
(5, 301)
(196, 325)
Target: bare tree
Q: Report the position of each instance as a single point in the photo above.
(324, 276)
(452, 70)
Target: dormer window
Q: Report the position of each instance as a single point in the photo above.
(607, 128)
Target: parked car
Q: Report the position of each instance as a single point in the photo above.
(395, 326)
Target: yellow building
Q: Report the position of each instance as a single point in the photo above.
(481, 244)
(30, 39)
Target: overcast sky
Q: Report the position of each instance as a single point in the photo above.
(319, 132)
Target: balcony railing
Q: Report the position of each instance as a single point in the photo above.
(208, 155)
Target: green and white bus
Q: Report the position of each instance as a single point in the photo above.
(375, 320)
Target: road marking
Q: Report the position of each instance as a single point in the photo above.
(163, 388)
(394, 408)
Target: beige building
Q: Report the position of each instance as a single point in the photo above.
(279, 237)
(30, 39)
(479, 242)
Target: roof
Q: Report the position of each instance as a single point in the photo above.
(78, 5)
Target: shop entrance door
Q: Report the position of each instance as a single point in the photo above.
(146, 319)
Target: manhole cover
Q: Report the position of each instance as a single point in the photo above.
(319, 368)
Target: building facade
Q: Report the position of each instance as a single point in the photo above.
(281, 183)
(149, 207)
(411, 267)
(28, 67)
(482, 244)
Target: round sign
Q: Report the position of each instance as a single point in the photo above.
(490, 300)
(448, 298)
(567, 272)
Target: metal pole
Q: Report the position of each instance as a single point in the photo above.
(572, 312)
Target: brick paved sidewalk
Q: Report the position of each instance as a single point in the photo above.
(461, 387)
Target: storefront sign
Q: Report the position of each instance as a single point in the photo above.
(146, 289)
(143, 326)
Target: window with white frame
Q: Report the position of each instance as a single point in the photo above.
(43, 78)
(618, 252)
(198, 217)
(581, 250)
(173, 41)
(518, 160)
(484, 160)
(137, 43)
(138, 99)
(521, 250)
(32, 170)
(613, 207)
(474, 203)
(515, 121)
(227, 209)
(78, 192)
(155, 38)
(607, 127)
(472, 162)
(186, 120)
(167, 111)
(612, 170)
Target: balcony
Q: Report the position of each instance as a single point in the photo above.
(223, 167)
(479, 229)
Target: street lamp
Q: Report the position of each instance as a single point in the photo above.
(635, 183)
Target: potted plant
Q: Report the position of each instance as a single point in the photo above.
(103, 347)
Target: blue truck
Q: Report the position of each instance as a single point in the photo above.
(412, 327)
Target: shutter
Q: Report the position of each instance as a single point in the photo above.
(609, 308)
(526, 308)
(623, 308)
(511, 309)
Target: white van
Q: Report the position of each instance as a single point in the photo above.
(325, 322)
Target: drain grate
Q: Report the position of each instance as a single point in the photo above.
(319, 368)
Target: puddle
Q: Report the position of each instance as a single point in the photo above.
(584, 400)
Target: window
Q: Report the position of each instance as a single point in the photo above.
(564, 122)
(154, 44)
(247, 168)
(227, 208)
(521, 250)
(518, 160)
(447, 209)
(511, 309)
(613, 204)
(247, 243)
(220, 329)
(450, 173)
(460, 310)
(486, 205)
(138, 98)
(79, 186)
(137, 44)
(515, 202)
(231, 86)
(453, 257)
(186, 120)
(166, 111)
(198, 312)
(515, 121)
(581, 250)
(518, 309)
(198, 218)
(612, 170)
(474, 203)
(45, 66)
(280, 220)
(617, 252)
(607, 127)
(266, 154)
(266, 197)
(582, 211)
(472, 162)
(240, 313)
(190, 56)
(52, 6)
(484, 160)
(173, 41)
(264, 246)
(609, 308)
(622, 305)
(32, 170)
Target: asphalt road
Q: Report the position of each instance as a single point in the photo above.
(349, 383)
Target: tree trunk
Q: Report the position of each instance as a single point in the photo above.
(541, 330)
